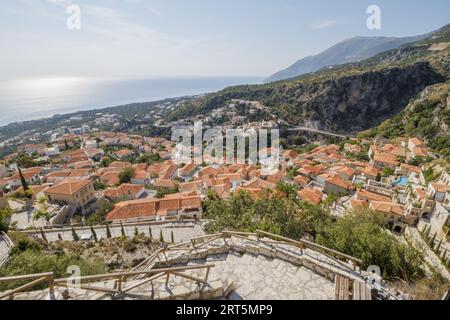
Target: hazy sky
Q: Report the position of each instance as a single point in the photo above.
(151, 38)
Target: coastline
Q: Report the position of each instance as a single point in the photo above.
(57, 99)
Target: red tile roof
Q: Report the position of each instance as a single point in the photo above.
(69, 187)
(311, 196)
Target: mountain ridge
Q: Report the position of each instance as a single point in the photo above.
(349, 50)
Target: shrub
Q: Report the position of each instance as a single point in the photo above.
(24, 244)
(31, 262)
(129, 246)
(126, 175)
(101, 213)
(41, 214)
(5, 216)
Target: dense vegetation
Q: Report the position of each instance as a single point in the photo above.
(126, 175)
(29, 257)
(101, 213)
(427, 117)
(360, 234)
(5, 215)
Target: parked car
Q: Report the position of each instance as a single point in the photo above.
(87, 237)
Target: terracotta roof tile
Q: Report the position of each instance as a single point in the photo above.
(69, 187)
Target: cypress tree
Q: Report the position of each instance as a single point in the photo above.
(432, 241)
(150, 232)
(66, 144)
(439, 246)
(60, 237)
(161, 236)
(94, 234)
(108, 232)
(43, 235)
(75, 235)
(172, 237)
(122, 230)
(444, 255)
(136, 232)
(427, 232)
(22, 179)
(422, 232)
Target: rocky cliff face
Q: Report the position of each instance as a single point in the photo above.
(349, 103)
(362, 101)
(427, 116)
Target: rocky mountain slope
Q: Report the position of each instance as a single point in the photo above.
(350, 50)
(351, 97)
(427, 116)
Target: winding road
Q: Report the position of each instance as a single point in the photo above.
(325, 133)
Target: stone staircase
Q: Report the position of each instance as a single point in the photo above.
(230, 266)
(263, 269)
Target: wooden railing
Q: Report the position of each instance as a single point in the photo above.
(35, 279)
(199, 242)
(143, 273)
(119, 280)
(317, 247)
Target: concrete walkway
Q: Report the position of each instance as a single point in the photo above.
(260, 278)
(437, 221)
(181, 231)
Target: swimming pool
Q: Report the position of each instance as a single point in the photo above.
(403, 181)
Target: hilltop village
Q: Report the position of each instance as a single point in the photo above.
(91, 178)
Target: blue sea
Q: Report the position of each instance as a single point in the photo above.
(29, 99)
